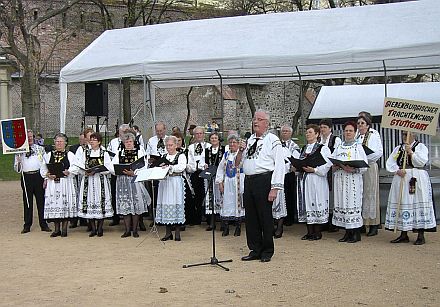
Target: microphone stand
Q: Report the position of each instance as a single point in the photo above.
(213, 260)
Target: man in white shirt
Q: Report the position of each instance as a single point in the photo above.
(156, 147)
(196, 163)
(156, 144)
(291, 149)
(263, 165)
(31, 183)
(113, 148)
(139, 138)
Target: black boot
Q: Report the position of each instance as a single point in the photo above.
(356, 236)
(141, 224)
(420, 238)
(372, 231)
(279, 231)
(309, 233)
(331, 227)
(237, 231)
(403, 238)
(92, 225)
(346, 236)
(225, 229)
(317, 235)
(168, 234)
(100, 228)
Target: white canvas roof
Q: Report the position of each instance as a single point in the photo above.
(358, 41)
(347, 100)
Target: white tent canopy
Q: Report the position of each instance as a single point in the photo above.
(347, 100)
(401, 38)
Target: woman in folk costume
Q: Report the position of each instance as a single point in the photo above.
(313, 192)
(94, 189)
(370, 199)
(231, 184)
(213, 200)
(60, 195)
(416, 209)
(348, 186)
(132, 198)
(182, 149)
(280, 209)
(171, 193)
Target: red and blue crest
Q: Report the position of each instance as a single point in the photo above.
(14, 135)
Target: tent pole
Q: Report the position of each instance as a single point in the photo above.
(221, 101)
(63, 107)
(385, 77)
(301, 100)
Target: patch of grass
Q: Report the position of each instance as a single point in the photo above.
(7, 172)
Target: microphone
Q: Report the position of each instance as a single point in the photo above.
(247, 135)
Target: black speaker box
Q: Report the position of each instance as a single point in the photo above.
(96, 99)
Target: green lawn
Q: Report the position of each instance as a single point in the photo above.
(7, 168)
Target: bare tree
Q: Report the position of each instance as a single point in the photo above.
(249, 98)
(19, 26)
(188, 108)
(138, 13)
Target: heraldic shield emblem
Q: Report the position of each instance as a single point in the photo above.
(14, 136)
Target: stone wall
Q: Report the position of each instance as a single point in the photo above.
(279, 98)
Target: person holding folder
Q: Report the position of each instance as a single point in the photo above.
(313, 192)
(132, 198)
(94, 201)
(171, 193)
(371, 141)
(60, 194)
(348, 185)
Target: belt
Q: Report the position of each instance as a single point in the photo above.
(257, 175)
(32, 172)
(175, 174)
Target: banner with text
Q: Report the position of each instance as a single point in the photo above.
(410, 115)
(14, 136)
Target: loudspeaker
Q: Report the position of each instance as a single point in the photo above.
(96, 99)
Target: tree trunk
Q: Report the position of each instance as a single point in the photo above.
(250, 99)
(30, 97)
(126, 103)
(188, 114)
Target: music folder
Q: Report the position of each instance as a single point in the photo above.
(119, 168)
(314, 160)
(160, 161)
(153, 173)
(352, 163)
(211, 171)
(96, 169)
(56, 169)
(152, 159)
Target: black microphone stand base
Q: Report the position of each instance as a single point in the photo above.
(214, 261)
